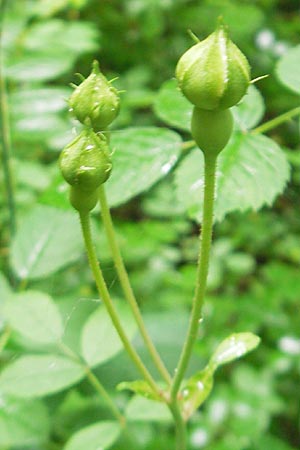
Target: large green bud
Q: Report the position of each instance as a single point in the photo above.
(214, 74)
(95, 101)
(85, 162)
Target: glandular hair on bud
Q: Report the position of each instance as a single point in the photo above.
(214, 74)
(211, 129)
(95, 101)
(85, 162)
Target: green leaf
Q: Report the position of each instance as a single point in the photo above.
(18, 427)
(47, 240)
(175, 110)
(172, 107)
(252, 171)
(233, 347)
(140, 387)
(37, 68)
(249, 112)
(142, 156)
(98, 436)
(36, 128)
(35, 316)
(39, 375)
(46, 35)
(36, 101)
(288, 69)
(99, 340)
(140, 409)
(196, 390)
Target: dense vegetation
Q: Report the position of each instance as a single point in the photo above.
(46, 288)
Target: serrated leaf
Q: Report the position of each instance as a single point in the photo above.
(39, 375)
(140, 409)
(252, 171)
(140, 387)
(175, 110)
(98, 436)
(288, 69)
(18, 428)
(47, 239)
(141, 157)
(35, 316)
(196, 390)
(233, 347)
(99, 339)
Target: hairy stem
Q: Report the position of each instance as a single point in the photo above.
(105, 296)
(5, 131)
(126, 286)
(202, 273)
(277, 121)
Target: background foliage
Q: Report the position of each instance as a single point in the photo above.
(48, 305)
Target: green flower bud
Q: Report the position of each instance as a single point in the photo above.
(211, 129)
(95, 101)
(85, 162)
(214, 74)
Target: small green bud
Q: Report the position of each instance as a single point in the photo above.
(85, 162)
(214, 74)
(95, 101)
(211, 129)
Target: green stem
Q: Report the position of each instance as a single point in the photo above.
(267, 126)
(187, 145)
(202, 273)
(104, 295)
(126, 286)
(180, 426)
(103, 393)
(5, 131)
(99, 388)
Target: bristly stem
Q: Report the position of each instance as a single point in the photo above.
(5, 131)
(277, 121)
(202, 273)
(126, 286)
(105, 296)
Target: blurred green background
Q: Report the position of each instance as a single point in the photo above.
(254, 282)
